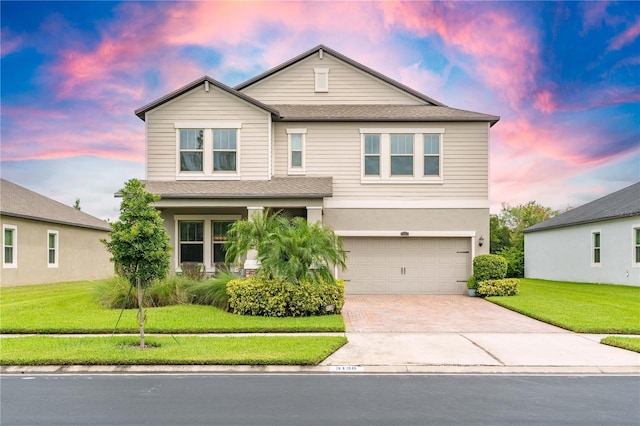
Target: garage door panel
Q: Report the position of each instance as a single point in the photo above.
(406, 265)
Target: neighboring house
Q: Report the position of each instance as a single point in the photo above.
(401, 177)
(598, 242)
(44, 241)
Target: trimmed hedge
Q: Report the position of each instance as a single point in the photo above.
(489, 267)
(260, 296)
(506, 287)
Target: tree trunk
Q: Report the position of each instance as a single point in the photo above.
(140, 314)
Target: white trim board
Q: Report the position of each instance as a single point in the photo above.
(436, 234)
(381, 203)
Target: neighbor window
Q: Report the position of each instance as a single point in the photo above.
(297, 142)
(191, 150)
(10, 246)
(372, 155)
(431, 155)
(224, 150)
(401, 155)
(636, 246)
(191, 241)
(596, 247)
(52, 249)
(218, 239)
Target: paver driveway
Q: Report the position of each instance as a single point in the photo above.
(434, 314)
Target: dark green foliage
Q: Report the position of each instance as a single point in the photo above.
(500, 234)
(489, 267)
(214, 291)
(260, 296)
(472, 283)
(515, 261)
(505, 287)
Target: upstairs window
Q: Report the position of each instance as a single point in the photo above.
(372, 155)
(431, 155)
(10, 246)
(296, 156)
(191, 241)
(401, 155)
(224, 150)
(596, 248)
(191, 150)
(52, 252)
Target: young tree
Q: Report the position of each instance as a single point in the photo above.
(139, 244)
(76, 205)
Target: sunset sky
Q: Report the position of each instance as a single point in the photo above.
(564, 77)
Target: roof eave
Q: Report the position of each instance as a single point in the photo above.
(241, 196)
(580, 222)
(106, 228)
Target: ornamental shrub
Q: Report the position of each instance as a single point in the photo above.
(505, 287)
(489, 267)
(260, 296)
(472, 283)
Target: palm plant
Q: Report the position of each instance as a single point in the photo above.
(245, 235)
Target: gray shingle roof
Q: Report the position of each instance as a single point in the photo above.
(379, 113)
(17, 201)
(277, 187)
(622, 203)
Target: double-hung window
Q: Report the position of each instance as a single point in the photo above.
(10, 246)
(191, 150)
(296, 156)
(219, 229)
(596, 248)
(431, 153)
(372, 155)
(636, 245)
(52, 249)
(224, 150)
(401, 155)
(191, 241)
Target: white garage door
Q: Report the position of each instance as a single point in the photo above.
(406, 265)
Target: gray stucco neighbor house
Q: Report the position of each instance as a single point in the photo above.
(44, 241)
(403, 178)
(598, 242)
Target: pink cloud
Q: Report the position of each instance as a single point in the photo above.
(626, 37)
(544, 101)
(9, 42)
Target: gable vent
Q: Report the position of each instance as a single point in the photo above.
(321, 79)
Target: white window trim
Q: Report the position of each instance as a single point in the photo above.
(296, 170)
(321, 80)
(207, 161)
(385, 176)
(207, 236)
(634, 264)
(56, 248)
(13, 264)
(593, 247)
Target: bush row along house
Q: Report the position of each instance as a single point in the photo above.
(44, 241)
(403, 178)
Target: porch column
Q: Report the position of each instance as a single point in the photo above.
(251, 263)
(314, 214)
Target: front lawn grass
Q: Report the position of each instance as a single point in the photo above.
(629, 343)
(583, 308)
(164, 350)
(71, 308)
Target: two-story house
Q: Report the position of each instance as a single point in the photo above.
(400, 176)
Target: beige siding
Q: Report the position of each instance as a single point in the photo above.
(347, 85)
(215, 105)
(333, 149)
(81, 255)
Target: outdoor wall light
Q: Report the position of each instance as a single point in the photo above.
(404, 234)
(481, 241)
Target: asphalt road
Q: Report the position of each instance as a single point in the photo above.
(318, 400)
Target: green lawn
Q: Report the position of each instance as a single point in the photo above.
(583, 308)
(164, 350)
(629, 343)
(71, 308)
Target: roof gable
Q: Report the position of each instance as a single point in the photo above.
(322, 50)
(206, 80)
(17, 201)
(619, 204)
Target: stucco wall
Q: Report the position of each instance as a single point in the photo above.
(565, 254)
(81, 254)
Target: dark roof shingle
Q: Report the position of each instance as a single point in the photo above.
(277, 187)
(622, 203)
(20, 202)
